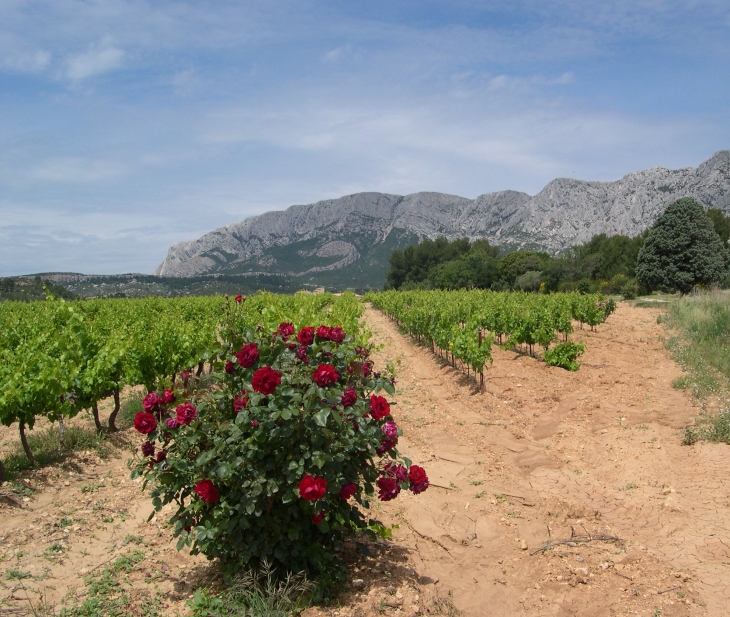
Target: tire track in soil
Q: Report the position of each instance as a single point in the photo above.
(543, 450)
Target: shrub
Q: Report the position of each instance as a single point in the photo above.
(275, 461)
(564, 355)
(529, 281)
(630, 290)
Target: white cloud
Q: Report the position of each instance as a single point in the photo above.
(77, 170)
(98, 59)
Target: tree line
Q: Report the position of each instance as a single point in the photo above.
(685, 247)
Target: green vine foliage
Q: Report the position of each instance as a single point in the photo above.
(565, 355)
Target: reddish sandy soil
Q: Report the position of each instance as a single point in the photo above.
(542, 454)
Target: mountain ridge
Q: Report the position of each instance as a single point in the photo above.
(349, 239)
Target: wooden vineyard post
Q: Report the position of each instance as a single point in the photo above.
(481, 373)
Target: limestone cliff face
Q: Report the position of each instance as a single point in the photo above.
(338, 233)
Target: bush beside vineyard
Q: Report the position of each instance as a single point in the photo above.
(276, 460)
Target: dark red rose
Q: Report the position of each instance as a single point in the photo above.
(248, 355)
(336, 334)
(325, 375)
(302, 354)
(388, 488)
(161, 456)
(171, 423)
(229, 367)
(148, 448)
(168, 397)
(290, 346)
(265, 380)
(376, 374)
(347, 491)
(239, 402)
(185, 413)
(285, 329)
(145, 422)
(317, 518)
(379, 407)
(385, 445)
(367, 368)
(419, 479)
(323, 332)
(151, 402)
(349, 369)
(255, 423)
(363, 352)
(238, 299)
(312, 488)
(349, 397)
(398, 472)
(207, 491)
(306, 336)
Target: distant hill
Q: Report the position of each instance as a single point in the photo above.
(346, 242)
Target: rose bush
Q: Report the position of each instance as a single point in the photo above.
(277, 460)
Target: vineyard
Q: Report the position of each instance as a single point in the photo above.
(465, 324)
(59, 358)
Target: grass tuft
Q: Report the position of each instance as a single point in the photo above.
(46, 448)
(255, 594)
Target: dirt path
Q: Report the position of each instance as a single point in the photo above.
(544, 450)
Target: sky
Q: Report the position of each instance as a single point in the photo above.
(127, 125)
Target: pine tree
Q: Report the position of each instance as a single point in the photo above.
(682, 250)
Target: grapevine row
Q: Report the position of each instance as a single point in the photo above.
(466, 324)
(59, 358)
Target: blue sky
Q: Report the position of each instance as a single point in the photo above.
(126, 125)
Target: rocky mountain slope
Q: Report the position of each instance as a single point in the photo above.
(346, 242)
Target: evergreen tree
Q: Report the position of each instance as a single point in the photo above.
(682, 250)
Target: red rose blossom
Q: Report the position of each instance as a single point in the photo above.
(349, 397)
(419, 479)
(185, 413)
(168, 397)
(145, 422)
(323, 332)
(148, 448)
(385, 445)
(265, 380)
(151, 402)
(248, 355)
(229, 368)
(238, 299)
(207, 491)
(325, 375)
(336, 334)
(347, 491)
(379, 407)
(301, 354)
(366, 368)
(312, 488)
(285, 329)
(388, 488)
(317, 518)
(306, 336)
(255, 423)
(239, 402)
(398, 471)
